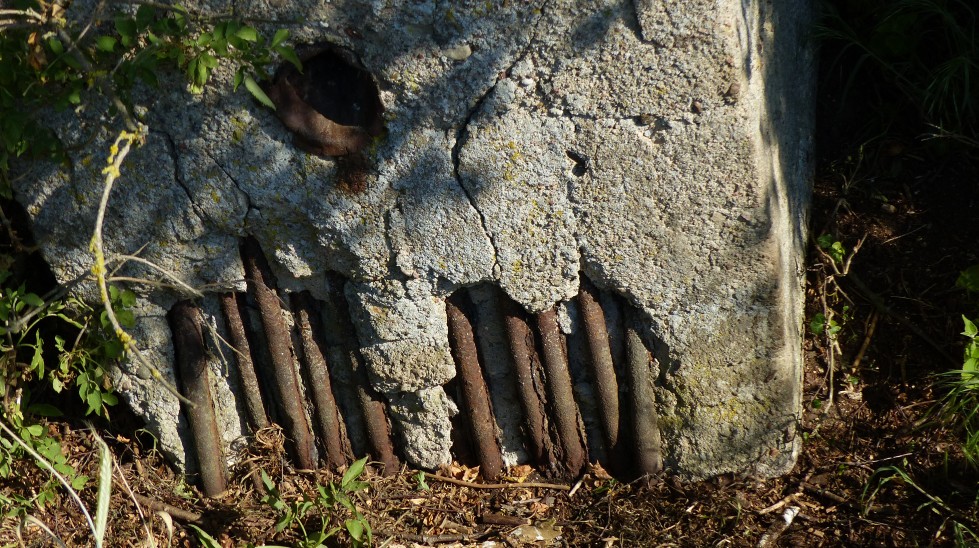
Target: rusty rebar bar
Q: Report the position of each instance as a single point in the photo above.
(642, 403)
(478, 409)
(327, 415)
(232, 310)
(527, 367)
(600, 366)
(191, 360)
(259, 280)
(371, 403)
(560, 392)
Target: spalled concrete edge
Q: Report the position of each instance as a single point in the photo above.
(619, 141)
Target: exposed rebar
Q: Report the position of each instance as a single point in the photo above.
(232, 310)
(530, 388)
(259, 280)
(327, 415)
(482, 424)
(600, 366)
(560, 392)
(191, 357)
(371, 403)
(642, 402)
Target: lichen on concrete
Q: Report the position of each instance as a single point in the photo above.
(660, 149)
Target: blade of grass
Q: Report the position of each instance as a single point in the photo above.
(43, 463)
(105, 489)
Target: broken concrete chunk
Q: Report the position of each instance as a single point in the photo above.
(660, 150)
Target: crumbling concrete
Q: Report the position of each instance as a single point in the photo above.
(661, 150)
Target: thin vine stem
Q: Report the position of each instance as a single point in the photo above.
(117, 153)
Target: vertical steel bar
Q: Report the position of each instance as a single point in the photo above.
(370, 402)
(645, 421)
(327, 415)
(259, 280)
(475, 395)
(526, 362)
(231, 307)
(600, 366)
(560, 391)
(190, 355)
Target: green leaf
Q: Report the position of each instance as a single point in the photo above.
(105, 491)
(837, 252)
(127, 298)
(126, 27)
(969, 279)
(37, 361)
(209, 61)
(126, 318)
(34, 430)
(113, 349)
(356, 529)
(267, 481)
(110, 398)
(239, 78)
(970, 328)
(247, 33)
(144, 16)
(289, 54)
(79, 482)
(824, 241)
(63, 469)
(280, 36)
(206, 540)
(94, 401)
(106, 43)
(352, 473)
(56, 46)
(818, 324)
(252, 86)
(33, 300)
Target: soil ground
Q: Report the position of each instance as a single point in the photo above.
(877, 468)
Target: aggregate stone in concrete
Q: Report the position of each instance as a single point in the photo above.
(661, 149)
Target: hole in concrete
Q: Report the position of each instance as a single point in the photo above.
(333, 107)
(582, 163)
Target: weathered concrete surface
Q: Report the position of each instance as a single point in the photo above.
(662, 150)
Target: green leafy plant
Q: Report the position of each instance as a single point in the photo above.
(834, 248)
(47, 60)
(313, 514)
(25, 371)
(959, 407)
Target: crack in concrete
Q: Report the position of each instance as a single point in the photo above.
(248, 198)
(462, 137)
(172, 148)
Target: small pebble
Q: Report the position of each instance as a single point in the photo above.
(459, 53)
(527, 82)
(889, 208)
